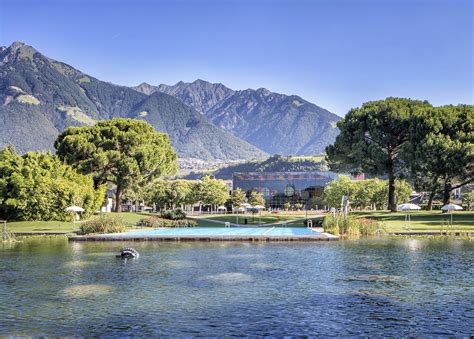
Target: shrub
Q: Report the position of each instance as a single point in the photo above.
(39, 186)
(176, 214)
(103, 224)
(160, 222)
(350, 226)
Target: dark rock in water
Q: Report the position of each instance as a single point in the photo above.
(128, 252)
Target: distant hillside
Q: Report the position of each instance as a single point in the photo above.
(276, 163)
(275, 123)
(192, 135)
(39, 97)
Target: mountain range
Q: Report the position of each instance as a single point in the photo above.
(39, 97)
(275, 123)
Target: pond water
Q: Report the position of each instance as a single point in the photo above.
(395, 287)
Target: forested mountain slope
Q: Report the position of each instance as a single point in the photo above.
(39, 97)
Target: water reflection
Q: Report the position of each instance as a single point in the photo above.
(393, 287)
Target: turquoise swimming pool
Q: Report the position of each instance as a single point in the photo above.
(221, 231)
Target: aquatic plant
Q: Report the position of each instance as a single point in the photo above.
(351, 226)
(103, 224)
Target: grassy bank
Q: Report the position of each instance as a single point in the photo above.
(45, 227)
(422, 221)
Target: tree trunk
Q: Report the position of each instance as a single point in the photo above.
(432, 194)
(430, 200)
(447, 192)
(392, 203)
(118, 200)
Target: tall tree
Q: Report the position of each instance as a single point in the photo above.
(256, 198)
(237, 197)
(125, 152)
(372, 138)
(441, 151)
(212, 191)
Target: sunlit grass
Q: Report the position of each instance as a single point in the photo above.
(423, 221)
(40, 227)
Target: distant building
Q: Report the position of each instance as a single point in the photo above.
(281, 187)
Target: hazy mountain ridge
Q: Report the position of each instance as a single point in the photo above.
(275, 123)
(39, 97)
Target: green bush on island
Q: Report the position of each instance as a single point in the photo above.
(103, 224)
(350, 226)
(38, 186)
(161, 222)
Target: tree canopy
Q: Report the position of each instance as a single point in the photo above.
(441, 152)
(256, 199)
(212, 191)
(237, 197)
(125, 152)
(372, 139)
(38, 186)
(370, 193)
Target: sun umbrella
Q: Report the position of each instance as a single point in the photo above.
(221, 208)
(408, 207)
(259, 207)
(451, 207)
(74, 209)
(245, 205)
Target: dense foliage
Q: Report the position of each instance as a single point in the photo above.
(103, 224)
(256, 199)
(237, 198)
(176, 214)
(171, 194)
(440, 154)
(212, 192)
(154, 221)
(181, 193)
(403, 138)
(38, 186)
(126, 152)
(370, 193)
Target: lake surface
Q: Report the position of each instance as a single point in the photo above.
(393, 287)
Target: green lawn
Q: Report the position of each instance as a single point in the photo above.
(63, 227)
(423, 221)
(41, 227)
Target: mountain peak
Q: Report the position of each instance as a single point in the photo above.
(17, 44)
(145, 88)
(18, 50)
(263, 91)
(200, 81)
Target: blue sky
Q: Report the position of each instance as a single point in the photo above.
(335, 53)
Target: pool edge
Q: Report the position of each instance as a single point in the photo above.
(207, 238)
